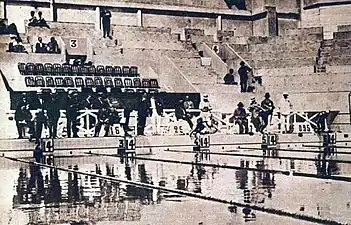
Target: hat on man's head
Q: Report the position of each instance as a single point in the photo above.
(240, 104)
(242, 63)
(285, 93)
(267, 95)
(205, 96)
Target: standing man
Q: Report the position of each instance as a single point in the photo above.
(53, 111)
(72, 114)
(23, 116)
(206, 108)
(40, 121)
(156, 108)
(256, 115)
(268, 107)
(103, 118)
(285, 109)
(244, 76)
(143, 113)
(106, 22)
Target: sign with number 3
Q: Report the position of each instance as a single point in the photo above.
(73, 43)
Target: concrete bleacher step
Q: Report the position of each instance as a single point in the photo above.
(219, 88)
(284, 71)
(310, 30)
(5, 38)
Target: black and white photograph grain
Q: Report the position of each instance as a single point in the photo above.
(175, 112)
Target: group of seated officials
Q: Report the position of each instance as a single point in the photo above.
(16, 45)
(51, 47)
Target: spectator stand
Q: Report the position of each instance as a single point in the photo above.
(63, 77)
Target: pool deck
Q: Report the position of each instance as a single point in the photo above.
(146, 144)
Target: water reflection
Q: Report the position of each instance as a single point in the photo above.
(51, 196)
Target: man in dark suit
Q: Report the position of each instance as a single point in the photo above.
(244, 76)
(106, 22)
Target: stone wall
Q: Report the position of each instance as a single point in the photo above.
(240, 27)
(218, 4)
(76, 14)
(311, 2)
(177, 23)
(326, 16)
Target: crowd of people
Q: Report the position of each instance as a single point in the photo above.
(109, 113)
(48, 107)
(261, 114)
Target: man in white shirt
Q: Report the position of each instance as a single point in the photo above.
(285, 109)
(206, 113)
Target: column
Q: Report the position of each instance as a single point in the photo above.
(3, 9)
(97, 18)
(219, 23)
(53, 11)
(272, 21)
(139, 18)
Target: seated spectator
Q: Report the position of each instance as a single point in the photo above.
(40, 46)
(52, 46)
(240, 118)
(229, 77)
(41, 21)
(89, 63)
(16, 45)
(5, 29)
(33, 20)
(77, 62)
(3, 26)
(12, 29)
(181, 113)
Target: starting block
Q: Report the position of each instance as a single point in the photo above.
(269, 143)
(203, 143)
(48, 151)
(126, 146)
